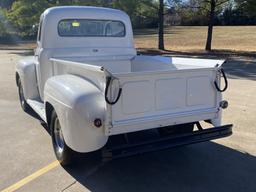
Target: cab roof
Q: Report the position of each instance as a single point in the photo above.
(85, 12)
(52, 16)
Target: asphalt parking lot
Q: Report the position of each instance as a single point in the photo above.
(227, 164)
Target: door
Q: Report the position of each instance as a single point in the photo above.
(37, 54)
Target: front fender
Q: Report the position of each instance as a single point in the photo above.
(77, 103)
(26, 71)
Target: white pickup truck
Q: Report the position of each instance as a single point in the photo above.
(88, 84)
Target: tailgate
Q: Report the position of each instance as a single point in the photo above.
(155, 99)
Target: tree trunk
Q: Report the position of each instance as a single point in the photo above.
(208, 46)
(161, 25)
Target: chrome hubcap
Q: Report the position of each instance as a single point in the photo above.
(58, 136)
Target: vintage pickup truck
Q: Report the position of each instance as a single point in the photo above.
(88, 84)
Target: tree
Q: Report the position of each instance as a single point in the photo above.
(208, 45)
(6, 3)
(6, 30)
(161, 25)
(143, 13)
(213, 4)
(247, 6)
(210, 7)
(25, 13)
(161, 13)
(3, 29)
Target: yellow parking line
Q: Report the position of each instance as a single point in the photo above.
(31, 177)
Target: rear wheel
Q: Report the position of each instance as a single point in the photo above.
(23, 103)
(63, 153)
(177, 129)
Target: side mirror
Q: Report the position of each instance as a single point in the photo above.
(35, 28)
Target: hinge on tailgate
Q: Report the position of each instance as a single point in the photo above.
(225, 80)
(109, 80)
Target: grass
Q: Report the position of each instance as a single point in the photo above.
(193, 38)
(239, 40)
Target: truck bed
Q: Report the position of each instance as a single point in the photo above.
(158, 91)
(141, 63)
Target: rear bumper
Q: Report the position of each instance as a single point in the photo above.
(161, 143)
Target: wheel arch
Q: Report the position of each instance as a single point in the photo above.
(17, 77)
(48, 112)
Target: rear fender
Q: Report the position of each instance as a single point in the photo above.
(78, 103)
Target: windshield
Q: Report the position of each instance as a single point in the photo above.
(89, 27)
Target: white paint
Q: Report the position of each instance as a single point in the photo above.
(27, 74)
(77, 103)
(70, 74)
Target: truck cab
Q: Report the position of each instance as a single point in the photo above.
(88, 84)
(77, 32)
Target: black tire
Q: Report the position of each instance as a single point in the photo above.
(63, 153)
(177, 129)
(23, 103)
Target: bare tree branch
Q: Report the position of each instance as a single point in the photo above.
(195, 7)
(220, 3)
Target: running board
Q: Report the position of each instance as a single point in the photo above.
(38, 107)
(161, 143)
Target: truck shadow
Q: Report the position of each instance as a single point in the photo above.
(207, 166)
(202, 167)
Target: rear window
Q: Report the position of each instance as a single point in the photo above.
(90, 28)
